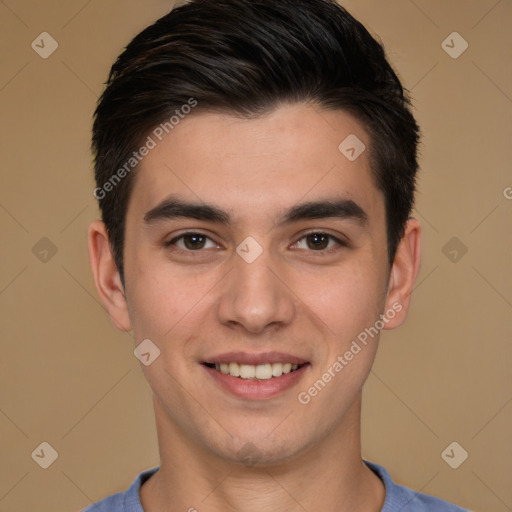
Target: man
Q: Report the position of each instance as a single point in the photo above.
(255, 168)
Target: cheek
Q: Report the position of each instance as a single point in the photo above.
(347, 298)
(164, 300)
(348, 302)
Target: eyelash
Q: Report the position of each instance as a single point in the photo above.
(339, 242)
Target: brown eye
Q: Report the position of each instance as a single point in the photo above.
(191, 242)
(194, 241)
(319, 242)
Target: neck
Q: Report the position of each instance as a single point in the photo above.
(329, 476)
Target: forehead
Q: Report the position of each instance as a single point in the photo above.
(258, 166)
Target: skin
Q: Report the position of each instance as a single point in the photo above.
(294, 298)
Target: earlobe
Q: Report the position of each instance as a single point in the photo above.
(403, 274)
(106, 276)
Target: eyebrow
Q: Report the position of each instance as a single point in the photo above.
(172, 208)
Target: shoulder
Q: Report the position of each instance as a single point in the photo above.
(114, 503)
(403, 499)
(128, 501)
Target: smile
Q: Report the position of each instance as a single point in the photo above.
(249, 371)
(258, 381)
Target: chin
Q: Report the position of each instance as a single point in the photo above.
(251, 451)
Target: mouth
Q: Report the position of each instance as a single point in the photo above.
(256, 376)
(265, 371)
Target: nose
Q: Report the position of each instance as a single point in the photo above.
(255, 296)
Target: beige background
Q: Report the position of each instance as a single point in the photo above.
(70, 379)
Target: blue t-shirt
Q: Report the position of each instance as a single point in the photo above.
(398, 497)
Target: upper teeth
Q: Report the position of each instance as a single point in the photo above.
(260, 371)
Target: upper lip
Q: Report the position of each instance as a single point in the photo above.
(255, 359)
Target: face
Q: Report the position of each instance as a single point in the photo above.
(256, 247)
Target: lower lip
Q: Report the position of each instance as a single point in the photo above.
(254, 389)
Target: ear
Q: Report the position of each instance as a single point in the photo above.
(403, 275)
(106, 276)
